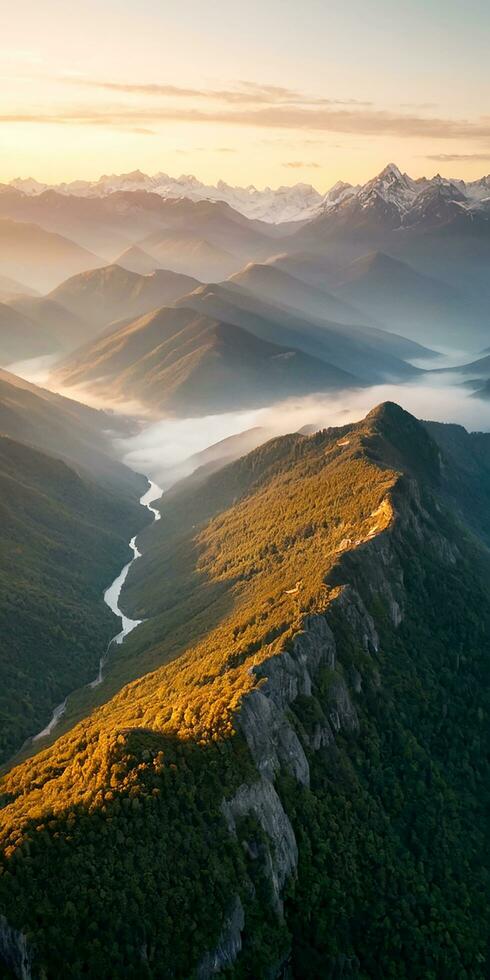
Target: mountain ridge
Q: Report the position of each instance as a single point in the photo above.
(283, 735)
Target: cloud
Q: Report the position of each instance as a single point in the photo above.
(457, 157)
(206, 149)
(418, 105)
(360, 122)
(300, 164)
(243, 92)
(162, 449)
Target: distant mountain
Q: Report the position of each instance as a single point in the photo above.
(479, 368)
(83, 305)
(110, 225)
(21, 337)
(62, 540)
(11, 288)
(196, 468)
(310, 267)
(64, 329)
(393, 199)
(404, 300)
(180, 361)
(38, 257)
(371, 354)
(279, 287)
(275, 205)
(441, 228)
(189, 255)
(104, 295)
(135, 259)
(300, 202)
(482, 391)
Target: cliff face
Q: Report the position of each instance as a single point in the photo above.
(370, 574)
(276, 742)
(14, 951)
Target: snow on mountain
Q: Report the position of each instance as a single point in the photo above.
(401, 194)
(299, 202)
(403, 201)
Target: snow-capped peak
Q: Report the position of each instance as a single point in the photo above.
(396, 192)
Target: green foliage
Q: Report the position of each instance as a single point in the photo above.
(394, 878)
(117, 860)
(62, 540)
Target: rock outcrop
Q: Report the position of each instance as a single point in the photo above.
(371, 570)
(14, 950)
(229, 945)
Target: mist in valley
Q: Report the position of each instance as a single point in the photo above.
(166, 450)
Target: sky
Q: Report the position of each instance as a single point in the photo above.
(268, 93)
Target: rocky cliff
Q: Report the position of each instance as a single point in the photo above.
(369, 572)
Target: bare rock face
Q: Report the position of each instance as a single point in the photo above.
(274, 734)
(229, 945)
(14, 951)
(263, 718)
(262, 801)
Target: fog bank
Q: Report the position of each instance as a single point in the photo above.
(162, 449)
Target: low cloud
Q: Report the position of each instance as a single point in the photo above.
(242, 93)
(457, 157)
(162, 449)
(366, 122)
(418, 105)
(300, 164)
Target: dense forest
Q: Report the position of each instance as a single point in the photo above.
(62, 540)
(118, 858)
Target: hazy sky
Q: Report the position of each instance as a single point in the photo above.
(263, 92)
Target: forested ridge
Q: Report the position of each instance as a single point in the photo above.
(391, 877)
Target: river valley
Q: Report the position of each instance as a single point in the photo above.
(112, 597)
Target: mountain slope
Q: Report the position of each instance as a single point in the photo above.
(279, 204)
(113, 223)
(304, 773)
(10, 288)
(369, 353)
(83, 305)
(62, 540)
(21, 337)
(404, 300)
(277, 286)
(190, 255)
(39, 257)
(65, 429)
(104, 295)
(136, 260)
(179, 361)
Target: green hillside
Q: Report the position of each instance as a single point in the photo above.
(62, 541)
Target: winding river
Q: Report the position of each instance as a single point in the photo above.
(112, 596)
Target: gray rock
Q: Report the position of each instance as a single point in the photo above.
(262, 801)
(14, 951)
(229, 944)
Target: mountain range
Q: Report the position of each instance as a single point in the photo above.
(258, 337)
(179, 361)
(436, 232)
(286, 203)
